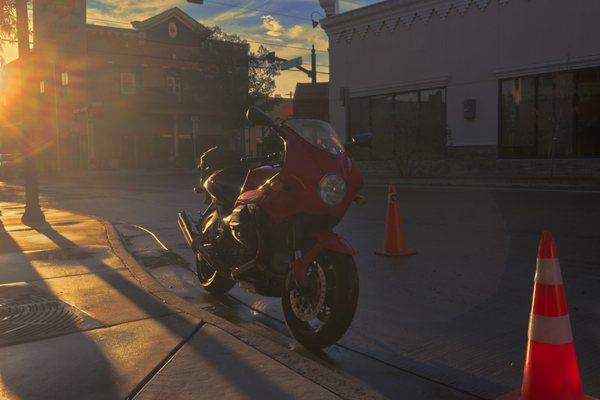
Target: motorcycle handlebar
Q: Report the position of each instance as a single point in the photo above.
(248, 160)
(268, 158)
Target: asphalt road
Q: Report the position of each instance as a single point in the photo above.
(455, 314)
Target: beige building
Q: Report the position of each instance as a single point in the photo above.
(470, 87)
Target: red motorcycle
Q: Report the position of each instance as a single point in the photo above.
(269, 226)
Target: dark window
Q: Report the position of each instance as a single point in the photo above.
(587, 129)
(518, 115)
(382, 127)
(128, 83)
(360, 121)
(555, 114)
(551, 115)
(410, 124)
(174, 84)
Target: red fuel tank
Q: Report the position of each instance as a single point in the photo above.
(257, 176)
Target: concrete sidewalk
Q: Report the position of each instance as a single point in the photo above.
(76, 323)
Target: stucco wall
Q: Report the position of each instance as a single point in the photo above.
(461, 44)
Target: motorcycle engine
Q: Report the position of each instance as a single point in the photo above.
(242, 223)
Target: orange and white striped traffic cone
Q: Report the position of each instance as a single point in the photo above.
(551, 371)
(394, 242)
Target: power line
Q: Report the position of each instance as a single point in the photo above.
(213, 2)
(285, 45)
(150, 56)
(355, 3)
(247, 40)
(109, 21)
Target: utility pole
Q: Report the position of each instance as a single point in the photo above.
(313, 65)
(56, 117)
(296, 63)
(33, 213)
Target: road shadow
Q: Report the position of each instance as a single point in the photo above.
(248, 383)
(29, 374)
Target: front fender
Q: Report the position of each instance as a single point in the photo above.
(332, 241)
(324, 241)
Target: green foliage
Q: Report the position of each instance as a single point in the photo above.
(261, 80)
(7, 22)
(261, 75)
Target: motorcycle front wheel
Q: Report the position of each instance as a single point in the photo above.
(319, 315)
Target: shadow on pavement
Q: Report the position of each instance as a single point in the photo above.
(30, 377)
(248, 382)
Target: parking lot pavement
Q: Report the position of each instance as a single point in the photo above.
(456, 312)
(72, 301)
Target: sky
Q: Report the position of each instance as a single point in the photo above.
(282, 25)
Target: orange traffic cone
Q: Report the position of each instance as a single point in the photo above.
(394, 242)
(551, 371)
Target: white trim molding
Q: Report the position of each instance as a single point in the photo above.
(390, 14)
(565, 64)
(421, 84)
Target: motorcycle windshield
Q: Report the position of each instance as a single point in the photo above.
(318, 133)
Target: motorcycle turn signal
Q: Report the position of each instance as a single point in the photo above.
(276, 185)
(360, 200)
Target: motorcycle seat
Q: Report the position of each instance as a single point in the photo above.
(225, 185)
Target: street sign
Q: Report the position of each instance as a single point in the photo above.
(293, 63)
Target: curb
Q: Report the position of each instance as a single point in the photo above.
(485, 184)
(334, 381)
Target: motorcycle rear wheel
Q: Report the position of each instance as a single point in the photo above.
(210, 279)
(320, 315)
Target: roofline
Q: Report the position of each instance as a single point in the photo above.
(177, 12)
(107, 27)
(372, 10)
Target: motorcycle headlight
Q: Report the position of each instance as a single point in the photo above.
(332, 189)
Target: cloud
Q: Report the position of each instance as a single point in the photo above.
(230, 17)
(272, 26)
(346, 5)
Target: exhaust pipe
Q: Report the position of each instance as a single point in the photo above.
(188, 228)
(193, 237)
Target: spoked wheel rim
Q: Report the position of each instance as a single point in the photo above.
(312, 305)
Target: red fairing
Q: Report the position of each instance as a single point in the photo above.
(303, 169)
(257, 176)
(250, 197)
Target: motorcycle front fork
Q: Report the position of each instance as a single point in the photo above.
(295, 243)
(300, 261)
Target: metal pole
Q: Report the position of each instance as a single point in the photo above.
(313, 64)
(33, 214)
(56, 119)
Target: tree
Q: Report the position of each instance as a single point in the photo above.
(261, 74)
(7, 23)
(261, 80)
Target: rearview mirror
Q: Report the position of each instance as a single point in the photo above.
(257, 117)
(362, 139)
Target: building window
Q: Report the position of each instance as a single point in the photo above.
(128, 83)
(404, 125)
(42, 87)
(551, 115)
(64, 78)
(174, 84)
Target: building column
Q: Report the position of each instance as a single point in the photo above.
(175, 136)
(89, 125)
(195, 121)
